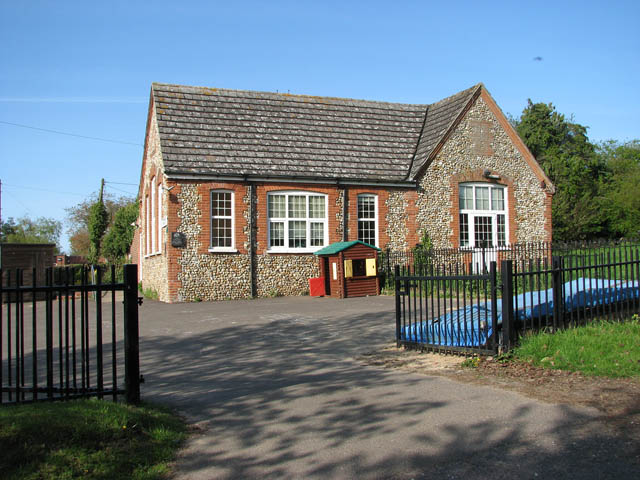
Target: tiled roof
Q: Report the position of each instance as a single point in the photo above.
(440, 118)
(217, 132)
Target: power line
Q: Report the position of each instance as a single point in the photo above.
(42, 189)
(121, 183)
(118, 189)
(71, 134)
(63, 192)
(20, 202)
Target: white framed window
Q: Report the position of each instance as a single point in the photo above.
(159, 224)
(154, 222)
(368, 218)
(297, 221)
(222, 221)
(147, 226)
(483, 215)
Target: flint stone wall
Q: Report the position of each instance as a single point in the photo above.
(222, 276)
(155, 266)
(397, 221)
(458, 155)
(218, 276)
(286, 275)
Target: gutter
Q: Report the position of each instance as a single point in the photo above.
(284, 179)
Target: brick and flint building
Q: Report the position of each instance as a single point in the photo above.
(238, 189)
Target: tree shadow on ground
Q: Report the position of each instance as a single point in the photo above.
(285, 399)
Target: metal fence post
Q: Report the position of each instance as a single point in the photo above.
(388, 261)
(508, 324)
(494, 305)
(397, 292)
(131, 335)
(556, 284)
(49, 330)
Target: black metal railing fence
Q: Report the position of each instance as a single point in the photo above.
(451, 307)
(574, 290)
(532, 255)
(447, 309)
(70, 334)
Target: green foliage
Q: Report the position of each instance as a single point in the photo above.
(98, 223)
(601, 349)
(597, 186)
(26, 230)
(565, 153)
(78, 220)
(422, 252)
(88, 439)
(470, 362)
(117, 242)
(149, 293)
(621, 189)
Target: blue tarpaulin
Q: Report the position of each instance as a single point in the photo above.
(471, 326)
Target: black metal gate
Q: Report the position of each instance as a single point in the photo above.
(447, 309)
(71, 334)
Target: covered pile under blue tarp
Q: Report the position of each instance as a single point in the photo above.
(465, 327)
(471, 326)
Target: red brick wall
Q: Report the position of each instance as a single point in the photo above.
(383, 210)
(477, 176)
(240, 191)
(204, 238)
(548, 228)
(262, 189)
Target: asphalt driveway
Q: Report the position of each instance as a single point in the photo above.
(275, 391)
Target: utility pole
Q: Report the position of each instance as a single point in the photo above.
(101, 190)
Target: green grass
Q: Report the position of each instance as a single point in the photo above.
(600, 349)
(87, 439)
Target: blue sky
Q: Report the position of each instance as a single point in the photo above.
(85, 68)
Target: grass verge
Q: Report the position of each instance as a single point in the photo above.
(89, 439)
(603, 349)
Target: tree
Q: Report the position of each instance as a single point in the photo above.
(621, 189)
(98, 223)
(565, 153)
(26, 230)
(7, 228)
(78, 220)
(118, 240)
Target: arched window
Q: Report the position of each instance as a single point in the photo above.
(154, 222)
(159, 223)
(147, 226)
(483, 215)
(297, 221)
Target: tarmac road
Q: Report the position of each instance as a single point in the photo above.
(274, 390)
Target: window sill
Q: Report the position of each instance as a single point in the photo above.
(222, 250)
(149, 255)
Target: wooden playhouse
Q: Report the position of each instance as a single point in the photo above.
(347, 269)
